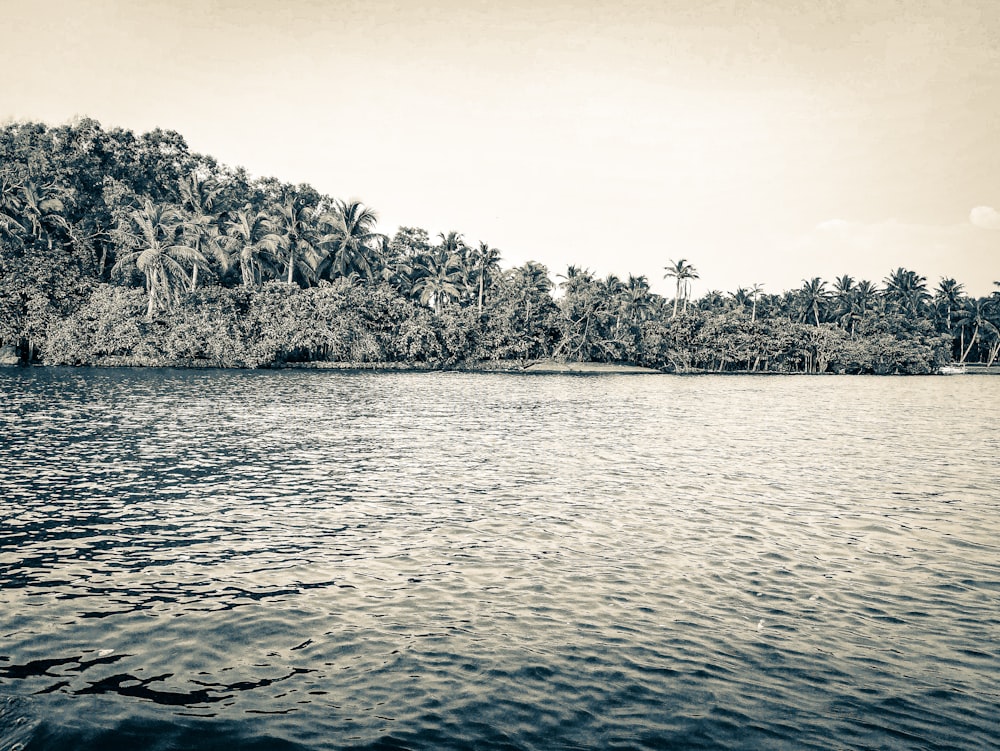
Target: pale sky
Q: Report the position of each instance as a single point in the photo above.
(764, 141)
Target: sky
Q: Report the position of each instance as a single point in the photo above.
(764, 141)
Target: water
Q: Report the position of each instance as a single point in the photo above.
(315, 560)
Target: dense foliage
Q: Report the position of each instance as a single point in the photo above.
(118, 249)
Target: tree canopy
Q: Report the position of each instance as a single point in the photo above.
(117, 248)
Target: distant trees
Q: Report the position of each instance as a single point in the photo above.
(682, 273)
(117, 246)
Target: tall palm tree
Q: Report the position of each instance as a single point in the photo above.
(201, 224)
(439, 280)
(948, 295)
(350, 239)
(249, 238)
(683, 272)
(534, 280)
(755, 291)
(153, 229)
(637, 299)
(294, 224)
(813, 294)
(906, 291)
(487, 264)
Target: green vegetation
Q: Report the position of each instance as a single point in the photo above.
(118, 249)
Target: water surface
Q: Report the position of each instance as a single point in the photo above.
(317, 560)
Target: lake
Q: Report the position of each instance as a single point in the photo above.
(329, 560)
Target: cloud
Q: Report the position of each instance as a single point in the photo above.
(986, 217)
(834, 225)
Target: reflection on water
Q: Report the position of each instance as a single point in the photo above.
(435, 560)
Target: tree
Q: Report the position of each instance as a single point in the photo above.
(948, 295)
(156, 255)
(813, 294)
(755, 291)
(249, 237)
(487, 264)
(975, 314)
(201, 226)
(439, 279)
(683, 273)
(294, 226)
(638, 304)
(10, 205)
(906, 292)
(41, 209)
(350, 239)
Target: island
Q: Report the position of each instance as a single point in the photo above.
(119, 249)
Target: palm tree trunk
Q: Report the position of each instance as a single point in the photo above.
(972, 343)
(291, 263)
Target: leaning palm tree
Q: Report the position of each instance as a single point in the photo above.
(975, 314)
(151, 231)
(683, 272)
(349, 239)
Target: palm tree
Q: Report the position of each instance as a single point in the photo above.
(637, 303)
(949, 295)
(351, 241)
(10, 204)
(575, 278)
(294, 224)
(813, 294)
(487, 263)
(906, 291)
(741, 297)
(153, 229)
(201, 225)
(438, 283)
(755, 291)
(683, 272)
(250, 239)
(42, 208)
(975, 313)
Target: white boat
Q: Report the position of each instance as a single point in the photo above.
(954, 369)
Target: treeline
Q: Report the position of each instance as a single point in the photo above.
(125, 249)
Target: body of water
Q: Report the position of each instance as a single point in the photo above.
(317, 560)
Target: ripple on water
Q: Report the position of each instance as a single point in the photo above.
(331, 560)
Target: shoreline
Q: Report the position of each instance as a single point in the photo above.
(505, 367)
